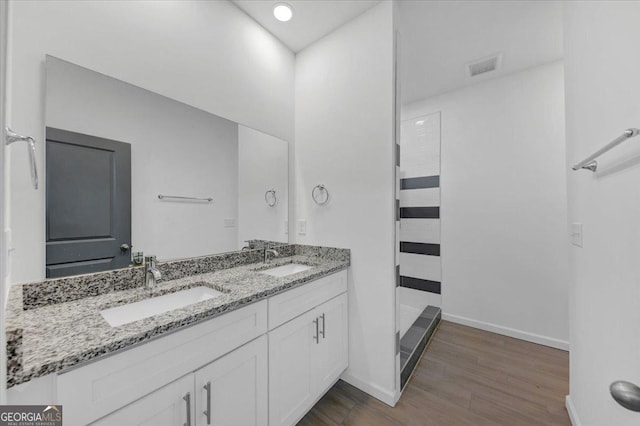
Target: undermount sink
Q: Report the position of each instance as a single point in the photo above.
(288, 269)
(136, 311)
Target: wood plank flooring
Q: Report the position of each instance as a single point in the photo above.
(465, 377)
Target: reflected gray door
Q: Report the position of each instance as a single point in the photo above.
(88, 203)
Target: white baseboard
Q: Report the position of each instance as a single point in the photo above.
(384, 395)
(511, 332)
(571, 409)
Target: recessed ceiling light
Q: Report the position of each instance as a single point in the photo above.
(283, 12)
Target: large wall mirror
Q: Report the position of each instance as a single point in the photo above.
(128, 170)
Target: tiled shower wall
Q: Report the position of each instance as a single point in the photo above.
(420, 207)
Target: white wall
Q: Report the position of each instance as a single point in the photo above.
(602, 87)
(344, 139)
(4, 26)
(175, 149)
(504, 258)
(206, 54)
(262, 165)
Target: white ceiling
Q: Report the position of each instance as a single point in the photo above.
(312, 19)
(437, 39)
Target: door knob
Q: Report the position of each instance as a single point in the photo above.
(626, 394)
(124, 247)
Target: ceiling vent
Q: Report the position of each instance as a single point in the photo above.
(484, 65)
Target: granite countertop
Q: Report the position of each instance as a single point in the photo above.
(54, 337)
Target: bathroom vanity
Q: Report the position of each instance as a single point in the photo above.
(252, 336)
(261, 348)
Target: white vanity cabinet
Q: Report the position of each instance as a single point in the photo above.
(264, 364)
(233, 390)
(308, 353)
(165, 407)
(333, 346)
(94, 390)
(292, 382)
(230, 391)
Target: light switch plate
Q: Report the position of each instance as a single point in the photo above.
(302, 227)
(286, 227)
(576, 234)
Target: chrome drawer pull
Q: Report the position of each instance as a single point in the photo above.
(187, 399)
(317, 336)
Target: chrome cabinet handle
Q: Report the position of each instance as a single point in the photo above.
(187, 399)
(12, 137)
(323, 326)
(317, 336)
(207, 412)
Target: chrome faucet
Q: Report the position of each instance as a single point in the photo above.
(152, 274)
(266, 253)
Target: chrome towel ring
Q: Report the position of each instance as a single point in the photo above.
(320, 195)
(271, 198)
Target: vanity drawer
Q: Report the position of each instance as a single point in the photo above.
(99, 388)
(291, 303)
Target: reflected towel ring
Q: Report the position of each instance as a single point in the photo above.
(271, 200)
(319, 199)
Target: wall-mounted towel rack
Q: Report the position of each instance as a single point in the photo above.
(589, 163)
(320, 194)
(12, 137)
(177, 197)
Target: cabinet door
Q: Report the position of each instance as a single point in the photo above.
(292, 390)
(233, 389)
(331, 356)
(165, 407)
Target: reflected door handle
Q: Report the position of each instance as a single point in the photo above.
(626, 394)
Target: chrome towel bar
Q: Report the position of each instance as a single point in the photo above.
(589, 163)
(12, 137)
(177, 197)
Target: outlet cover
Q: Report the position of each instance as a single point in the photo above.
(302, 227)
(576, 234)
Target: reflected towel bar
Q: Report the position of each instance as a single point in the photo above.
(589, 163)
(176, 197)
